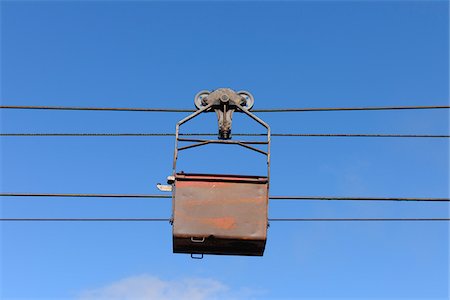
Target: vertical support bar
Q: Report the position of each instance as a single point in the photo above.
(268, 147)
(251, 115)
(177, 132)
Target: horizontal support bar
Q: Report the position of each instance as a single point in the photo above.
(206, 142)
(224, 141)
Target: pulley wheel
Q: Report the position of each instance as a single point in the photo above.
(200, 97)
(249, 100)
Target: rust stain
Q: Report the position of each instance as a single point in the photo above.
(220, 202)
(224, 222)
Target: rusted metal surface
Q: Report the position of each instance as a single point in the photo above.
(220, 214)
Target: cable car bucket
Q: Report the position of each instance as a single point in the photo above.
(220, 214)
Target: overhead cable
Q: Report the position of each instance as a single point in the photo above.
(270, 220)
(304, 198)
(356, 219)
(268, 110)
(87, 219)
(236, 134)
(413, 199)
(351, 108)
(83, 195)
(96, 108)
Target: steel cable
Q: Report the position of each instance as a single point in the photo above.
(301, 198)
(212, 134)
(268, 110)
(270, 219)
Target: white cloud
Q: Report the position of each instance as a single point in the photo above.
(150, 287)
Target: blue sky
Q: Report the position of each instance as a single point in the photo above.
(288, 54)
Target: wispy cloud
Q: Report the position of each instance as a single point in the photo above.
(151, 287)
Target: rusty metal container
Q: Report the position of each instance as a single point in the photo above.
(220, 214)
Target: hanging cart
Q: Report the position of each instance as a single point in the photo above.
(220, 214)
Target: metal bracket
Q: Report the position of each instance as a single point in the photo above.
(224, 102)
